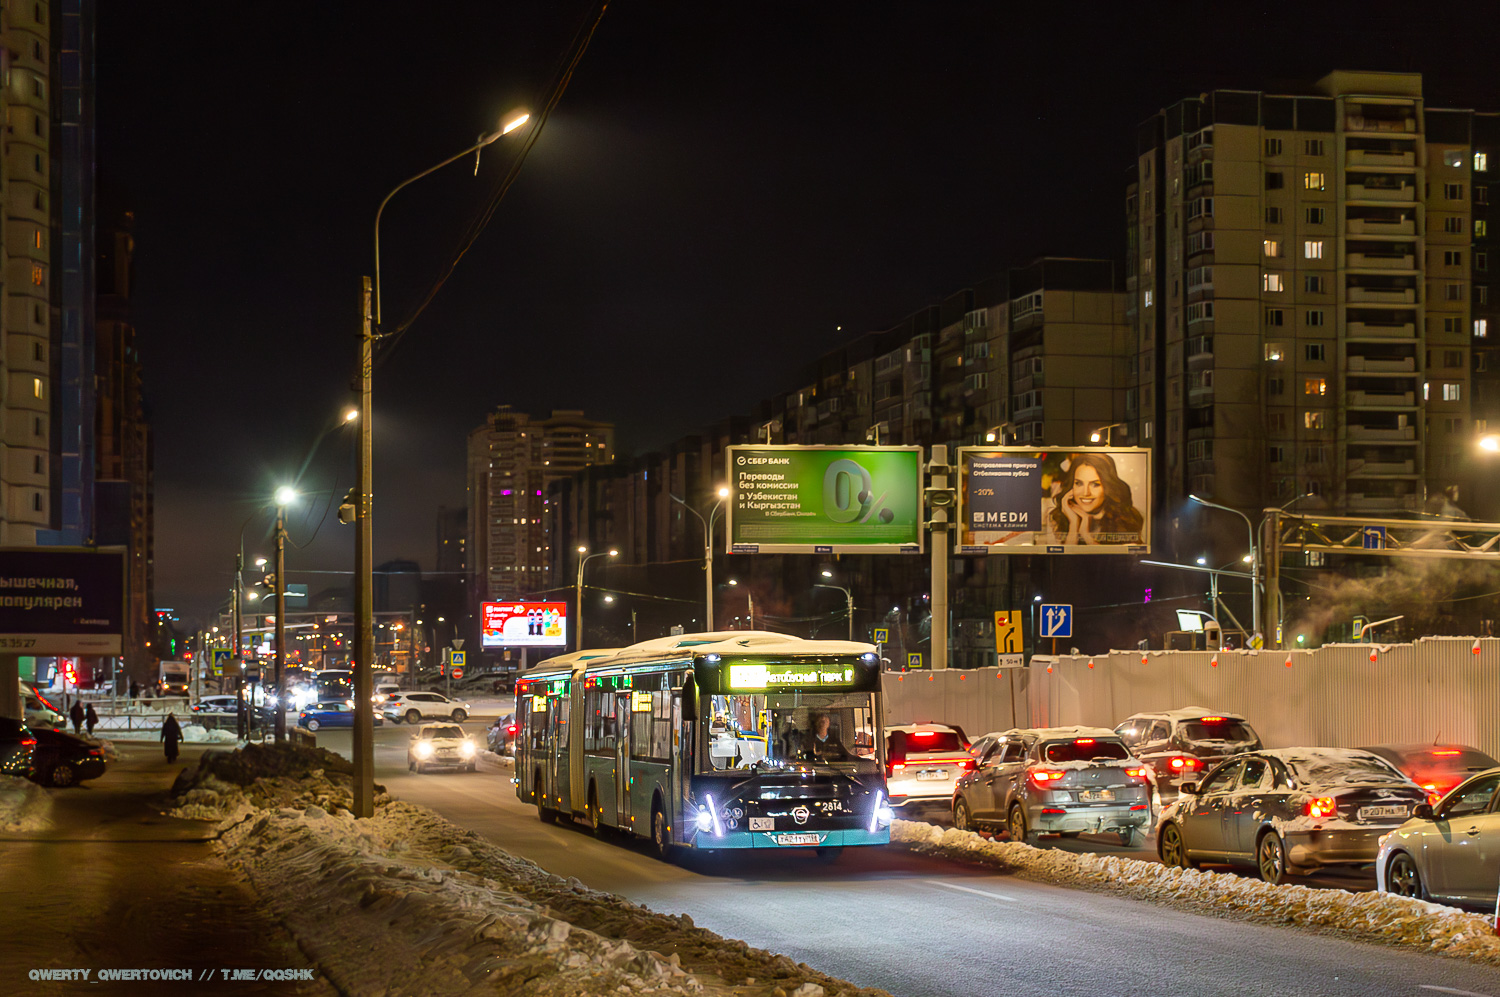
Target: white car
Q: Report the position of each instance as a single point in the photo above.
(414, 707)
(923, 764)
(217, 704)
(442, 745)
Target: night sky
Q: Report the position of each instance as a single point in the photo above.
(722, 187)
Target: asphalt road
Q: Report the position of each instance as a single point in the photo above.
(919, 926)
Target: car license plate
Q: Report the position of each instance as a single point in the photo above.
(932, 775)
(1095, 795)
(762, 823)
(1369, 813)
(798, 839)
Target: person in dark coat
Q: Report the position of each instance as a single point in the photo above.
(171, 734)
(76, 712)
(135, 689)
(90, 718)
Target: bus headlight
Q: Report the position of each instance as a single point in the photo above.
(884, 814)
(705, 820)
(881, 815)
(424, 749)
(466, 749)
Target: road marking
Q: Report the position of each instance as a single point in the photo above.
(982, 893)
(1450, 990)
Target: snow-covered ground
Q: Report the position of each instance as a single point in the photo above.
(1377, 917)
(22, 805)
(406, 902)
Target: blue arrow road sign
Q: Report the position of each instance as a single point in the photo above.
(1374, 537)
(1057, 620)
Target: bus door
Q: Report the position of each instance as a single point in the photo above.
(677, 752)
(557, 753)
(622, 757)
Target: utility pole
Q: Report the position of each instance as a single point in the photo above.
(939, 499)
(280, 621)
(364, 590)
(237, 594)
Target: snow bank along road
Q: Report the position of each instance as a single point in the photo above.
(938, 920)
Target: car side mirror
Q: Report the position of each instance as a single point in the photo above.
(1188, 787)
(1423, 811)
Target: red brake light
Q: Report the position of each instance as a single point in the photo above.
(923, 733)
(1184, 764)
(511, 729)
(964, 764)
(1136, 773)
(27, 742)
(1043, 776)
(1433, 794)
(1322, 806)
(1212, 720)
(1083, 740)
(1445, 752)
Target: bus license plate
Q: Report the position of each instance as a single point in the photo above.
(1093, 795)
(932, 775)
(797, 839)
(1368, 813)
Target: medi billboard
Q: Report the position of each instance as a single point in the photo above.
(824, 500)
(524, 624)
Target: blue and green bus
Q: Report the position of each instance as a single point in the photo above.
(715, 741)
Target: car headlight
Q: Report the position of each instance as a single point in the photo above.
(466, 749)
(424, 748)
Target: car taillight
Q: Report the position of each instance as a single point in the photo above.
(1181, 763)
(1322, 806)
(27, 742)
(1433, 793)
(1083, 740)
(964, 764)
(1445, 752)
(924, 733)
(1136, 773)
(511, 729)
(1041, 777)
(1212, 720)
(894, 769)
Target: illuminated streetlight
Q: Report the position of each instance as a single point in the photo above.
(1490, 443)
(708, 550)
(584, 558)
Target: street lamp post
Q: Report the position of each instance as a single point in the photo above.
(1254, 556)
(708, 554)
(848, 598)
(285, 495)
(584, 557)
(1105, 434)
(364, 546)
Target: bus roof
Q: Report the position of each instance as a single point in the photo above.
(733, 642)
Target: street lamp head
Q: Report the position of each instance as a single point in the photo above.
(614, 553)
(723, 491)
(1490, 443)
(733, 582)
(609, 598)
(286, 495)
(351, 415)
(828, 574)
(1095, 436)
(1248, 559)
(1194, 498)
(260, 562)
(1202, 560)
(1036, 598)
(514, 121)
(582, 549)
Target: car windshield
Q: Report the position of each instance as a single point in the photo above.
(780, 728)
(917, 741)
(1217, 730)
(1330, 768)
(1084, 749)
(443, 732)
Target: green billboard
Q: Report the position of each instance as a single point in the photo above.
(824, 500)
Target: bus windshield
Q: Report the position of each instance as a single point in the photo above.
(785, 728)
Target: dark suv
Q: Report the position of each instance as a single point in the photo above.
(17, 747)
(1182, 745)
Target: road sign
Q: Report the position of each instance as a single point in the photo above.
(882, 635)
(458, 645)
(220, 659)
(458, 672)
(1358, 624)
(1373, 538)
(1057, 620)
(458, 659)
(914, 659)
(1007, 632)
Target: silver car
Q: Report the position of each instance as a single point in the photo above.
(1450, 851)
(1288, 811)
(1061, 780)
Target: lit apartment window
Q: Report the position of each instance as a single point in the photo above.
(1314, 181)
(1315, 216)
(37, 239)
(1313, 282)
(1312, 147)
(36, 275)
(36, 387)
(1426, 390)
(1314, 316)
(1272, 247)
(1453, 192)
(1313, 249)
(1146, 300)
(1453, 258)
(1451, 391)
(1315, 351)
(1315, 386)
(1481, 162)
(1273, 146)
(1481, 328)
(1314, 420)
(1275, 351)
(1271, 282)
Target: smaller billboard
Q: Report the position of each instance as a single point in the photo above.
(525, 624)
(1080, 500)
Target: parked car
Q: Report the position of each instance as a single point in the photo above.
(1437, 768)
(217, 704)
(414, 707)
(923, 763)
(335, 714)
(1448, 852)
(500, 736)
(383, 692)
(1288, 811)
(17, 747)
(40, 713)
(63, 759)
(1062, 780)
(1182, 745)
(441, 746)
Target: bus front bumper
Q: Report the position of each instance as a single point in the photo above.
(707, 840)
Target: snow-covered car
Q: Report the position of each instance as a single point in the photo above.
(1060, 780)
(923, 763)
(1288, 811)
(500, 736)
(440, 746)
(1182, 745)
(414, 707)
(217, 704)
(1448, 851)
(1437, 768)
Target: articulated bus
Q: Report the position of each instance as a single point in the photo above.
(732, 740)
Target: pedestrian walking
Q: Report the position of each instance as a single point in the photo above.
(171, 734)
(76, 712)
(90, 718)
(135, 689)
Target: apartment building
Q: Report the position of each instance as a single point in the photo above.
(1305, 287)
(512, 459)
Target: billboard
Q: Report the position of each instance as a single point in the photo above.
(62, 601)
(824, 500)
(1081, 500)
(524, 624)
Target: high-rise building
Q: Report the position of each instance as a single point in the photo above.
(1307, 280)
(512, 459)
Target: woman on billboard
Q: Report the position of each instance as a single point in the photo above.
(1091, 504)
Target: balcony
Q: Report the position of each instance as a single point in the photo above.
(1373, 365)
(1381, 296)
(1382, 399)
(1375, 227)
(1367, 157)
(1360, 502)
(1396, 434)
(1381, 469)
(1370, 330)
(1359, 123)
(1201, 395)
(1382, 261)
(1404, 193)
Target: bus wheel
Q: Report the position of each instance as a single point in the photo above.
(596, 814)
(661, 833)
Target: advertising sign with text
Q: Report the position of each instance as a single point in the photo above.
(824, 500)
(62, 601)
(1084, 500)
(524, 624)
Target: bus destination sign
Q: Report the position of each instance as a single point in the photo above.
(764, 676)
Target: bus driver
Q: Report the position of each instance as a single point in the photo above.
(818, 744)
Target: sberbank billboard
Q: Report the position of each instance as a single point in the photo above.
(824, 500)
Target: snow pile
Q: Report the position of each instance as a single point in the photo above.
(1366, 916)
(198, 734)
(445, 911)
(23, 805)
